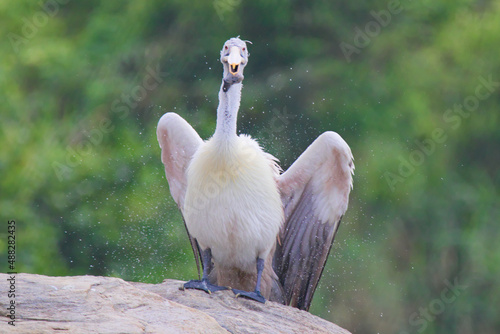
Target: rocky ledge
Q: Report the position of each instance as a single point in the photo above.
(91, 304)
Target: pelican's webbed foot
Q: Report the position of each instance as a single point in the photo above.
(203, 285)
(256, 295)
(250, 295)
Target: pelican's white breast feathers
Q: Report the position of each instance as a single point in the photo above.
(232, 202)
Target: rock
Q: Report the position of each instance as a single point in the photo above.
(91, 304)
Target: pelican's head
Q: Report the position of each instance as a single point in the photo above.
(234, 57)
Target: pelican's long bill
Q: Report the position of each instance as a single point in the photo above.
(234, 60)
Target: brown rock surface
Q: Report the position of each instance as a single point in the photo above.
(91, 304)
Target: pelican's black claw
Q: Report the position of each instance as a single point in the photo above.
(250, 295)
(203, 285)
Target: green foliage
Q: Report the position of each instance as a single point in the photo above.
(84, 83)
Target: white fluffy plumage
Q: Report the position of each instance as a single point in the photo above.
(232, 203)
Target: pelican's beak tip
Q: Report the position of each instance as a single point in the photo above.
(234, 68)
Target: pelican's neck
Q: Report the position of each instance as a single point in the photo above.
(227, 112)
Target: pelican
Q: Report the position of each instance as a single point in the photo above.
(264, 234)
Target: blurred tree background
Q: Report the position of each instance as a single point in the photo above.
(412, 86)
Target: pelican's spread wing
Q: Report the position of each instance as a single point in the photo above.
(315, 193)
(178, 142)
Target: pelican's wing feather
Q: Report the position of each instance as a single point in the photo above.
(178, 142)
(315, 194)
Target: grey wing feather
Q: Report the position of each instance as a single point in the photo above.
(315, 191)
(178, 142)
(196, 250)
(303, 253)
